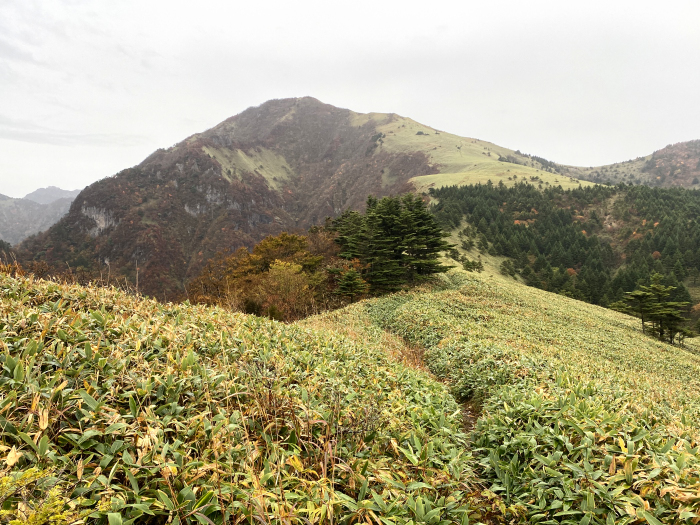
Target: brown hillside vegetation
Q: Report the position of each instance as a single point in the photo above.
(283, 166)
(675, 165)
(285, 277)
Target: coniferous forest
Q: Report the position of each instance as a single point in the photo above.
(594, 244)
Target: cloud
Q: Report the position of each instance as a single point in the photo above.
(23, 131)
(9, 51)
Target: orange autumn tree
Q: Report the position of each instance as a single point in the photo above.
(285, 277)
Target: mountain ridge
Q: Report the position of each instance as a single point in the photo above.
(282, 166)
(50, 194)
(675, 165)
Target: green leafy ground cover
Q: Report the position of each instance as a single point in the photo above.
(152, 413)
(147, 413)
(584, 419)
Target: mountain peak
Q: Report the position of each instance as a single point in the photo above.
(20, 218)
(50, 194)
(284, 165)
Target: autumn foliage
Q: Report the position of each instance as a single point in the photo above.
(285, 277)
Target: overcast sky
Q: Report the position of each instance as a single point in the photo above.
(88, 88)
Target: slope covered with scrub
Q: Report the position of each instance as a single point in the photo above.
(147, 413)
(582, 418)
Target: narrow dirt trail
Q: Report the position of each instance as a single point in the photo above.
(413, 355)
(471, 410)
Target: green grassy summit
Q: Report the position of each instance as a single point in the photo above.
(457, 160)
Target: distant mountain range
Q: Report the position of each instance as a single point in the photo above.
(36, 212)
(51, 194)
(676, 165)
(284, 165)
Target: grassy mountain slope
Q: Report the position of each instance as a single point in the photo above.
(459, 160)
(593, 344)
(676, 165)
(583, 418)
(153, 411)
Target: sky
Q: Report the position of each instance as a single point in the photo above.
(88, 88)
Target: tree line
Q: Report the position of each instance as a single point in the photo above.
(594, 243)
(396, 242)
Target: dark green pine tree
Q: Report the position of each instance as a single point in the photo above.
(679, 270)
(380, 243)
(351, 285)
(678, 292)
(639, 303)
(482, 243)
(397, 240)
(423, 239)
(540, 263)
(557, 256)
(650, 302)
(348, 225)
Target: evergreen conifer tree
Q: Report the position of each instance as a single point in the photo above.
(397, 240)
(423, 240)
(351, 285)
(650, 302)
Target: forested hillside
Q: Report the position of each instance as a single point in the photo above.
(577, 417)
(285, 165)
(593, 243)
